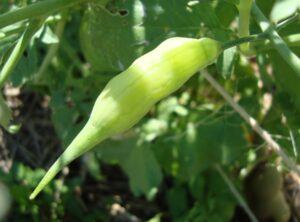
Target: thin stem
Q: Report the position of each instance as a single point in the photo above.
(18, 50)
(70, 52)
(236, 194)
(17, 31)
(38, 9)
(52, 50)
(291, 40)
(244, 21)
(250, 38)
(7, 41)
(287, 21)
(276, 40)
(252, 122)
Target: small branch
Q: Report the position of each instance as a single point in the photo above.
(52, 50)
(252, 122)
(244, 22)
(279, 44)
(293, 142)
(236, 194)
(35, 10)
(287, 21)
(247, 39)
(18, 50)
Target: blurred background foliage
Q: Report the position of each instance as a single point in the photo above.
(180, 161)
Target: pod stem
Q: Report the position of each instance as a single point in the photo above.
(247, 39)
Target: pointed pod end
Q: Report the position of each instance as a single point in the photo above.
(36, 191)
(32, 196)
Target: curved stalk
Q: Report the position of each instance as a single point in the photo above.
(244, 22)
(279, 44)
(35, 10)
(243, 40)
(18, 50)
(52, 50)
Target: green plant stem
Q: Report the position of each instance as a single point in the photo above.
(71, 53)
(18, 50)
(287, 21)
(52, 50)
(291, 40)
(244, 21)
(7, 41)
(250, 38)
(236, 193)
(38, 9)
(252, 122)
(276, 40)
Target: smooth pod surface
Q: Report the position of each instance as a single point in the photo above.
(130, 95)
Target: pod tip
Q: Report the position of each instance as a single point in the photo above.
(32, 196)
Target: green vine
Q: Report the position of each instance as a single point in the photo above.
(278, 43)
(35, 10)
(18, 50)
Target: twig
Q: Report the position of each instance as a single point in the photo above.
(293, 142)
(279, 44)
(252, 122)
(35, 10)
(287, 21)
(236, 194)
(52, 50)
(18, 50)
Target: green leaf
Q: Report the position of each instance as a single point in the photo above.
(27, 65)
(111, 42)
(177, 201)
(143, 170)
(226, 12)
(285, 77)
(284, 9)
(217, 203)
(226, 62)
(137, 161)
(114, 150)
(93, 165)
(47, 36)
(220, 141)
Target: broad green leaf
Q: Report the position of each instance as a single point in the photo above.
(177, 201)
(283, 9)
(27, 65)
(221, 141)
(137, 161)
(283, 107)
(285, 77)
(143, 170)
(115, 150)
(113, 38)
(226, 12)
(47, 36)
(110, 41)
(265, 6)
(217, 203)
